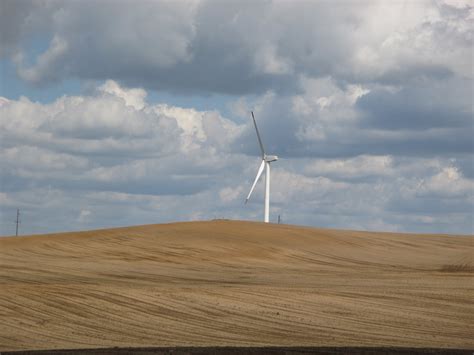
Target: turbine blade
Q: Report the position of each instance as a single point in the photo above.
(260, 171)
(258, 136)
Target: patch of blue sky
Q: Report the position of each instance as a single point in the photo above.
(214, 102)
(13, 87)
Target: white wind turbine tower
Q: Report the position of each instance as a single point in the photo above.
(266, 160)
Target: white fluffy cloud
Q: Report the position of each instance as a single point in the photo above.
(368, 105)
(449, 182)
(358, 167)
(112, 158)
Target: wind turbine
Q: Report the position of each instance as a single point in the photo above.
(266, 160)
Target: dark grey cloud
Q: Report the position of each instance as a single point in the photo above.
(428, 120)
(434, 104)
(277, 127)
(237, 47)
(12, 14)
(466, 164)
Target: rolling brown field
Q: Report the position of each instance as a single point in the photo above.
(231, 283)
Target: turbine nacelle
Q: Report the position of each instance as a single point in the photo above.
(270, 158)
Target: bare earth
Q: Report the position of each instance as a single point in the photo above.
(230, 283)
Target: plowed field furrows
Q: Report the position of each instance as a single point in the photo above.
(231, 283)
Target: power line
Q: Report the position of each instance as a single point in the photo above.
(17, 220)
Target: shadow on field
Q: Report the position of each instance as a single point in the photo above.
(245, 350)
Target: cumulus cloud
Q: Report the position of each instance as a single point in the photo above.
(132, 97)
(240, 47)
(327, 120)
(111, 137)
(369, 108)
(448, 182)
(359, 167)
(112, 158)
(161, 37)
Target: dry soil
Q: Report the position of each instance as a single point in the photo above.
(231, 283)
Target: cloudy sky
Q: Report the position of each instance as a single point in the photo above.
(118, 113)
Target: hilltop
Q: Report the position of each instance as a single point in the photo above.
(233, 283)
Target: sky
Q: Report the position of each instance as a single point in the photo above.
(117, 113)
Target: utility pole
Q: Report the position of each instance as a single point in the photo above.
(17, 220)
(279, 219)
